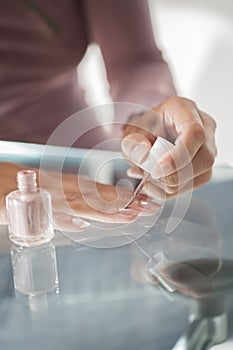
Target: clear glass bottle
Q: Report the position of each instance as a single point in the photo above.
(35, 275)
(29, 211)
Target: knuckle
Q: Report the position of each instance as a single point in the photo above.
(178, 100)
(209, 158)
(171, 190)
(210, 120)
(172, 180)
(198, 132)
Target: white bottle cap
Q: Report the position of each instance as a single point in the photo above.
(159, 148)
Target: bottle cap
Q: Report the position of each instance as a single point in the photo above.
(159, 148)
(26, 180)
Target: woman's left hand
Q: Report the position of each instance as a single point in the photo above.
(76, 199)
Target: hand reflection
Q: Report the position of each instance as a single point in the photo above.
(188, 258)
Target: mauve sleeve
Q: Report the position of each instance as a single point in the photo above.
(135, 67)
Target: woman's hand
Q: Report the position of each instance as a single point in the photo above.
(75, 196)
(189, 164)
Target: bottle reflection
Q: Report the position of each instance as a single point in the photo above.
(189, 262)
(35, 275)
(208, 324)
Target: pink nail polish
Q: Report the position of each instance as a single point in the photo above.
(129, 212)
(80, 223)
(150, 205)
(29, 211)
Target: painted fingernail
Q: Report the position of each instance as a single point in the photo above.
(129, 212)
(80, 223)
(134, 151)
(134, 173)
(138, 153)
(149, 205)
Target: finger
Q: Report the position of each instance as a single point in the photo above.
(107, 207)
(210, 125)
(166, 192)
(202, 163)
(136, 147)
(154, 191)
(123, 216)
(70, 223)
(191, 136)
(146, 124)
(190, 185)
(138, 208)
(203, 160)
(109, 199)
(135, 172)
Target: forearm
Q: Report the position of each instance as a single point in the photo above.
(144, 83)
(136, 70)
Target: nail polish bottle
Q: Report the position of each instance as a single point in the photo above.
(29, 211)
(159, 148)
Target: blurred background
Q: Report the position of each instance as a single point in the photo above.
(196, 38)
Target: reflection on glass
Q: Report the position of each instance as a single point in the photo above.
(35, 274)
(207, 325)
(189, 262)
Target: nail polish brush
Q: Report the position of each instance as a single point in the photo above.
(159, 148)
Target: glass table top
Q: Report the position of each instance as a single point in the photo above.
(68, 295)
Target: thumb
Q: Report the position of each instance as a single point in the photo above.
(136, 148)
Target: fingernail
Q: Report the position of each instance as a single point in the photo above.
(161, 170)
(138, 153)
(134, 151)
(129, 212)
(150, 205)
(80, 223)
(134, 173)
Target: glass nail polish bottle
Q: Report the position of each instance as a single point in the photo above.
(29, 211)
(35, 275)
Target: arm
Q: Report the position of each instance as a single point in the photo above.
(138, 74)
(84, 198)
(136, 70)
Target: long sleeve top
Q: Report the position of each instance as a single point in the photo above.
(43, 41)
